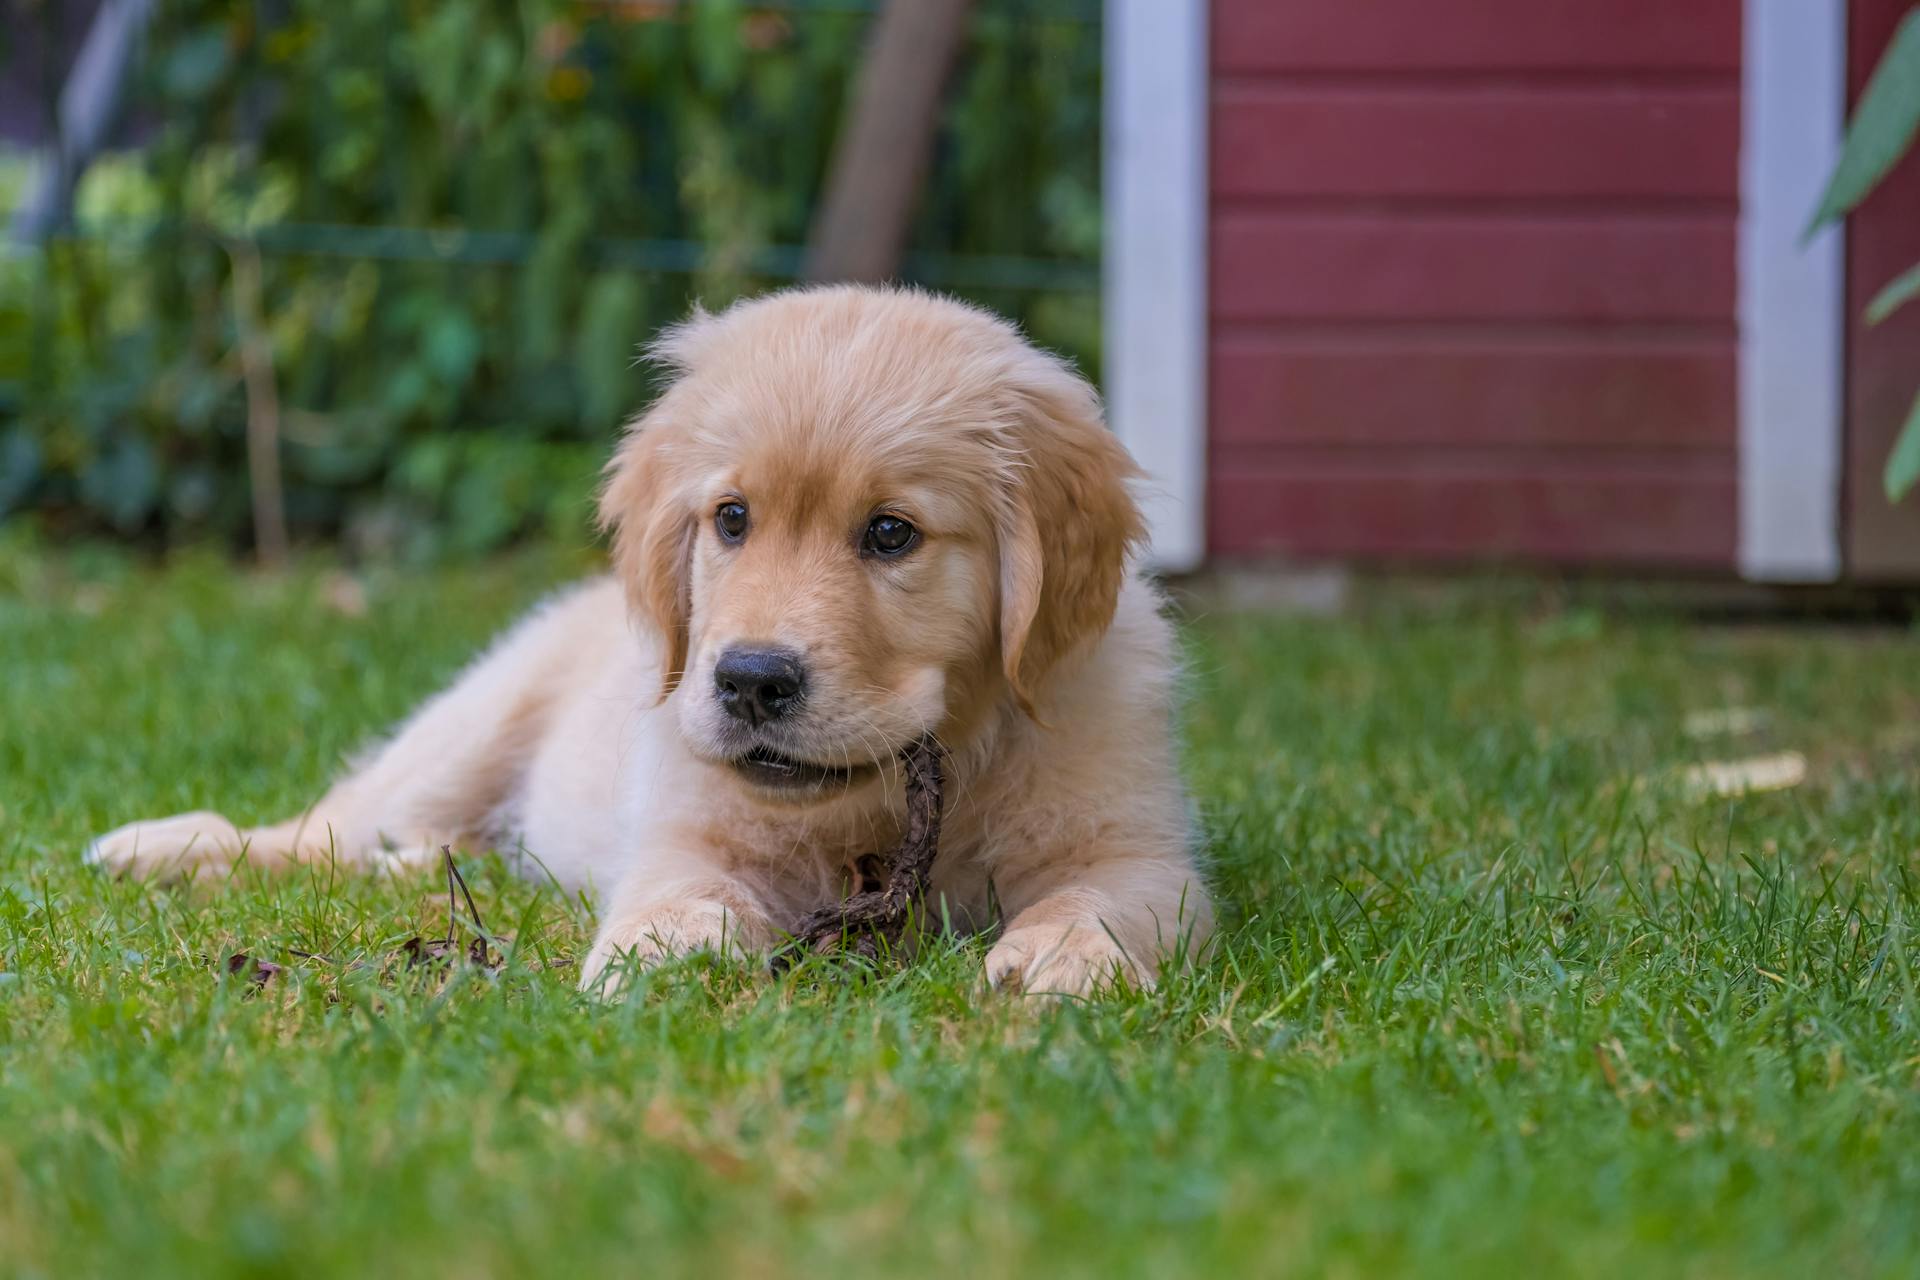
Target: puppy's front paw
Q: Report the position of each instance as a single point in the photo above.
(1074, 959)
(167, 848)
(657, 932)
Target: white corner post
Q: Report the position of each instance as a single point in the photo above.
(1155, 262)
(1792, 295)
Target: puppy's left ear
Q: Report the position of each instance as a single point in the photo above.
(1069, 526)
(652, 539)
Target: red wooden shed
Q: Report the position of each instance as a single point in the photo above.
(1513, 280)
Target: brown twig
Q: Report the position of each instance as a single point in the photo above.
(421, 951)
(263, 406)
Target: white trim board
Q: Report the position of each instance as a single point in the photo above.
(1792, 306)
(1155, 261)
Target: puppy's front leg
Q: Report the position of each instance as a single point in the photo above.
(1080, 918)
(671, 906)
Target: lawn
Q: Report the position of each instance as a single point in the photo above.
(1498, 993)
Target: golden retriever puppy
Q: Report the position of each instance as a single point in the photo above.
(856, 516)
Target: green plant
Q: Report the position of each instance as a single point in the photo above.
(467, 215)
(1881, 132)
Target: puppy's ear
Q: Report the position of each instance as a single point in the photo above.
(652, 534)
(1066, 531)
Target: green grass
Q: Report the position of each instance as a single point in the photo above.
(1496, 995)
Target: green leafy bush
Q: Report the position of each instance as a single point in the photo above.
(1881, 132)
(467, 215)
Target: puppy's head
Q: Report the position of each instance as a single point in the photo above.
(857, 516)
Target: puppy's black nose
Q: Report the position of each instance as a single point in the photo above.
(757, 685)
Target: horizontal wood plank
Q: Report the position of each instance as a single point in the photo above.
(1271, 388)
(1427, 35)
(1504, 143)
(1269, 266)
(1623, 516)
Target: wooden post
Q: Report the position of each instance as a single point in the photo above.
(881, 158)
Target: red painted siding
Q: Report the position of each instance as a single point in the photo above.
(1631, 37)
(1587, 512)
(1562, 143)
(1472, 266)
(1472, 285)
(1550, 393)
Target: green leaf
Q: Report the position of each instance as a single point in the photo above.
(1882, 127)
(451, 345)
(19, 466)
(196, 64)
(1894, 295)
(122, 483)
(718, 51)
(1903, 464)
(607, 346)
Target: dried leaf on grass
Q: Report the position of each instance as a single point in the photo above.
(1776, 772)
(475, 951)
(257, 972)
(345, 594)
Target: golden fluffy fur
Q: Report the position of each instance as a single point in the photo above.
(1014, 626)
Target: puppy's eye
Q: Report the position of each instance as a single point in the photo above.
(888, 536)
(731, 521)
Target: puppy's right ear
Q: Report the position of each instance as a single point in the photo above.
(652, 533)
(1069, 525)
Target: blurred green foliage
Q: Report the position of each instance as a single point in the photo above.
(469, 214)
(1881, 132)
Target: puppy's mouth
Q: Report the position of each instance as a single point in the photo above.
(778, 772)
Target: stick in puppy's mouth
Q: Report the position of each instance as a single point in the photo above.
(865, 920)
